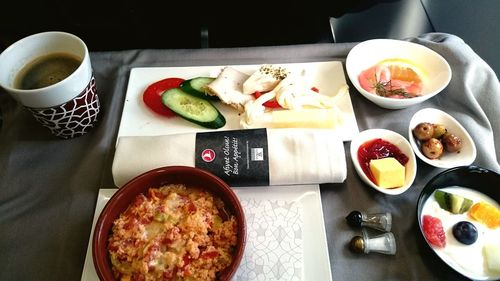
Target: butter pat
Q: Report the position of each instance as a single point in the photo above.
(388, 172)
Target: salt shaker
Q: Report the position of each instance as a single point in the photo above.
(384, 243)
(379, 221)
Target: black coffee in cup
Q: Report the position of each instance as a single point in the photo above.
(46, 70)
(50, 74)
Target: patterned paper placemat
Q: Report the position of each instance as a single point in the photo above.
(274, 241)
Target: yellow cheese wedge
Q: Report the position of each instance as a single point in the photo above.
(388, 172)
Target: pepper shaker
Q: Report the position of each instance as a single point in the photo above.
(379, 221)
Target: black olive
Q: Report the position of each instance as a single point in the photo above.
(451, 143)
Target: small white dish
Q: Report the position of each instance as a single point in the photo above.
(468, 152)
(397, 140)
(436, 71)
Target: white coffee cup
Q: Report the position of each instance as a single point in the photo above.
(70, 107)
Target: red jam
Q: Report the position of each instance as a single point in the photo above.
(377, 149)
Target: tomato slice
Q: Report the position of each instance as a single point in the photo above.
(270, 103)
(152, 95)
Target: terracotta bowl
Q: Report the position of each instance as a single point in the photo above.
(191, 177)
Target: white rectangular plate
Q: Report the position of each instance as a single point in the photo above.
(315, 249)
(138, 120)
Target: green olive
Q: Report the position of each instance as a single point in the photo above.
(439, 131)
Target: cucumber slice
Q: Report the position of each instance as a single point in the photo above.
(197, 87)
(196, 110)
(453, 203)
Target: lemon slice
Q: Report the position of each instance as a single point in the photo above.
(405, 70)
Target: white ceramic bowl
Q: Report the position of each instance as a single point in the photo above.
(397, 140)
(436, 71)
(467, 154)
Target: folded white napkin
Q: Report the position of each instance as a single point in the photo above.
(296, 156)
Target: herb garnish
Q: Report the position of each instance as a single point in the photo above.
(384, 89)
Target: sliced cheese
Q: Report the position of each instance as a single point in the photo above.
(228, 86)
(304, 118)
(264, 79)
(388, 172)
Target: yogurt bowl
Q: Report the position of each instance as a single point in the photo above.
(476, 184)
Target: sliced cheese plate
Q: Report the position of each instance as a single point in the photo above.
(139, 120)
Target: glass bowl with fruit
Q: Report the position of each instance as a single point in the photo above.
(384, 160)
(439, 140)
(458, 213)
(396, 74)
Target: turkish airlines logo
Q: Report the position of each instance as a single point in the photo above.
(208, 155)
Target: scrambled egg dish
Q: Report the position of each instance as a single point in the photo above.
(172, 233)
